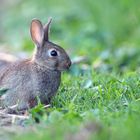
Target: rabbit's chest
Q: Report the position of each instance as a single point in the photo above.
(48, 83)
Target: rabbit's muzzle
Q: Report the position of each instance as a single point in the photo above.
(65, 65)
(68, 64)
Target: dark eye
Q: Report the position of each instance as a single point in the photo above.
(53, 53)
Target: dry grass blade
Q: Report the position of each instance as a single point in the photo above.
(7, 119)
(46, 106)
(13, 116)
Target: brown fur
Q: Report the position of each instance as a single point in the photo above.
(28, 80)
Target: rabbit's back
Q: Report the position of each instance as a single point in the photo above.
(25, 81)
(6, 59)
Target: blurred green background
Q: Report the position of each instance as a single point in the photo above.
(102, 38)
(106, 32)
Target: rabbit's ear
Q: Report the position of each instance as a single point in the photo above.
(47, 29)
(37, 32)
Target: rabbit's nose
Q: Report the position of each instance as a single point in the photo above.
(68, 64)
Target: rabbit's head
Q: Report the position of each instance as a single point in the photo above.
(47, 54)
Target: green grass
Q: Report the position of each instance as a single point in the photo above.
(110, 107)
(100, 97)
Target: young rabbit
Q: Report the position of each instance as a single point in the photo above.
(36, 78)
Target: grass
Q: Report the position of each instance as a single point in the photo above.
(99, 98)
(108, 109)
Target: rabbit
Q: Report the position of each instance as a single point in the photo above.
(36, 78)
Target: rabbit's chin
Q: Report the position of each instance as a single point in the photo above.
(59, 67)
(56, 68)
(63, 68)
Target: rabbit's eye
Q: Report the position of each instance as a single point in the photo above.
(53, 53)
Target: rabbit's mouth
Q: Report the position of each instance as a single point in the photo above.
(64, 66)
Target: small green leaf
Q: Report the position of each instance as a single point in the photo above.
(3, 91)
